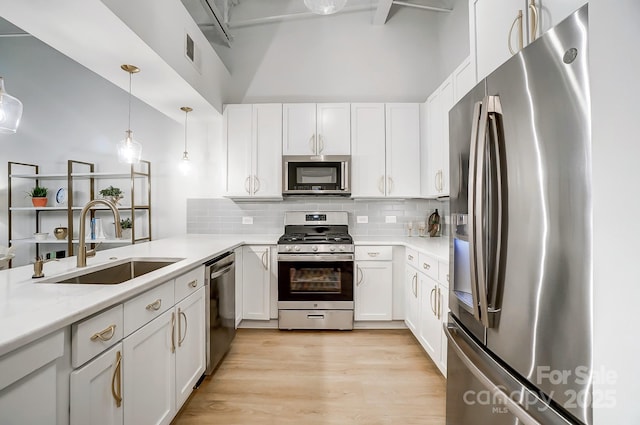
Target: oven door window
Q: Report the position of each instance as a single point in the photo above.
(315, 280)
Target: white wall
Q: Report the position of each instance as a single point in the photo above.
(453, 37)
(614, 62)
(341, 57)
(72, 113)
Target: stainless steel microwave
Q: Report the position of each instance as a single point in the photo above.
(316, 175)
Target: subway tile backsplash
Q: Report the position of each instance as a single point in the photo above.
(224, 216)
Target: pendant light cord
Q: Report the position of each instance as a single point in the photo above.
(185, 130)
(129, 128)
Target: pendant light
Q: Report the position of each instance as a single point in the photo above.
(10, 111)
(185, 164)
(325, 7)
(129, 151)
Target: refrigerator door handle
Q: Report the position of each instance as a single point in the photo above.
(473, 153)
(497, 393)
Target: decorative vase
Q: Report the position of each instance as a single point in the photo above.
(126, 233)
(60, 232)
(39, 202)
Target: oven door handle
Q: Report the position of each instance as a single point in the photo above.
(315, 257)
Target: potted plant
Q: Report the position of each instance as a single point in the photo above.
(38, 196)
(114, 194)
(126, 226)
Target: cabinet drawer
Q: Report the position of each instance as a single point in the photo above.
(189, 283)
(95, 334)
(412, 258)
(428, 265)
(443, 273)
(374, 253)
(147, 306)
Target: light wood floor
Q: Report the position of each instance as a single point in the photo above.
(379, 377)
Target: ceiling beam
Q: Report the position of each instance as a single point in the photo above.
(382, 12)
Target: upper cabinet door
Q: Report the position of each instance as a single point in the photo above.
(551, 12)
(299, 129)
(491, 21)
(463, 80)
(368, 150)
(403, 150)
(237, 136)
(267, 135)
(333, 122)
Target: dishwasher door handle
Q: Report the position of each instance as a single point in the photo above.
(219, 273)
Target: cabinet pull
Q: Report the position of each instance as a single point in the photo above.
(247, 184)
(414, 281)
(447, 277)
(439, 303)
(312, 143)
(534, 21)
(390, 188)
(360, 276)
(180, 336)
(431, 301)
(426, 266)
(381, 185)
(256, 186)
(265, 255)
(373, 254)
(517, 20)
(116, 380)
(104, 335)
(173, 332)
(155, 306)
(193, 283)
(320, 144)
(410, 257)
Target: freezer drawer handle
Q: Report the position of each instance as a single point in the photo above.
(315, 316)
(496, 392)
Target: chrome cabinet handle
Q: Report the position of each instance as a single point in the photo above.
(265, 255)
(534, 20)
(173, 332)
(312, 143)
(116, 380)
(193, 283)
(155, 306)
(517, 20)
(256, 184)
(431, 302)
(360, 276)
(373, 254)
(426, 266)
(247, 184)
(104, 335)
(381, 185)
(320, 144)
(180, 336)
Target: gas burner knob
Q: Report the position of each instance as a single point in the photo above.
(314, 248)
(341, 247)
(297, 248)
(332, 248)
(289, 248)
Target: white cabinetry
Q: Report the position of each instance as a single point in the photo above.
(436, 148)
(402, 150)
(190, 341)
(463, 78)
(32, 388)
(256, 282)
(427, 292)
(253, 137)
(497, 31)
(368, 150)
(374, 283)
(316, 129)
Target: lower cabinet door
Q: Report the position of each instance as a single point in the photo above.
(373, 290)
(96, 390)
(411, 300)
(256, 284)
(430, 328)
(149, 372)
(190, 339)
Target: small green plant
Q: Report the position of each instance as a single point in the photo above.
(125, 224)
(38, 192)
(112, 191)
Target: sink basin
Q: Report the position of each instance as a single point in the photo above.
(114, 273)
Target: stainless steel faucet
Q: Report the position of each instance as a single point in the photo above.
(82, 246)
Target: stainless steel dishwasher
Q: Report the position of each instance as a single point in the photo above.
(220, 285)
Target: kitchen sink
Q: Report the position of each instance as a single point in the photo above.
(114, 273)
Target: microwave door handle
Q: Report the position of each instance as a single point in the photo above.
(343, 172)
(477, 109)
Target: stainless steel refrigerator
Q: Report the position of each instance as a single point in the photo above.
(520, 327)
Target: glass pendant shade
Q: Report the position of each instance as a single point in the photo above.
(10, 111)
(325, 7)
(129, 151)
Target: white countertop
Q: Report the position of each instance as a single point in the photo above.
(30, 310)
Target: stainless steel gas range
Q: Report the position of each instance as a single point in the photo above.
(315, 271)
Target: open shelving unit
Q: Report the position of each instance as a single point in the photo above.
(80, 182)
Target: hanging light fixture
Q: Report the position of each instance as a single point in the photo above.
(10, 111)
(185, 164)
(325, 7)
(129, 151)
